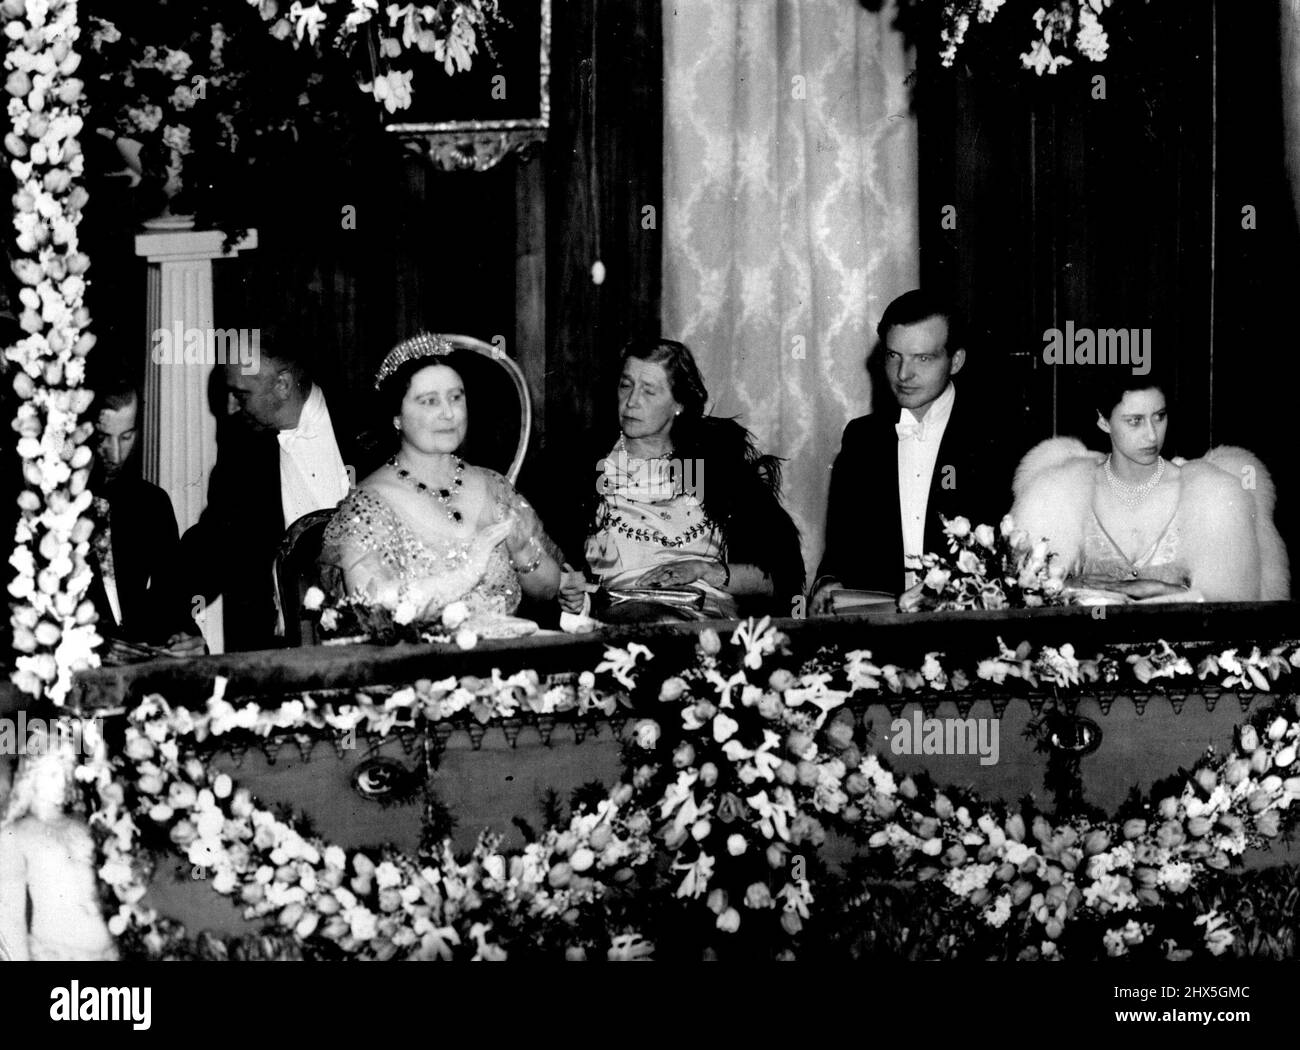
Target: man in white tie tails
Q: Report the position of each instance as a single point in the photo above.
(898, 472)
(279, 459)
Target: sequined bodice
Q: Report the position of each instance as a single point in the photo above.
(366, 524)
(1102, 556)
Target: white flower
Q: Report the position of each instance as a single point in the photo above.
(621, 663)
(454, 615)
(937, 579)
(362, 923)
(455, 50)
(1218, 934)
(466, 639)
(999, 912)
(362, 12)
(176, 137)
(393, 90)
(736, 845)
(1040, 59)
(307, 20)
(1092, 41)
(724, 727)
(313, 599)
(647, 733)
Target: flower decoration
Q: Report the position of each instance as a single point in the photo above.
(731, 788)
(1068, 25)
(53, 626)
(449, 30)
(984, 569)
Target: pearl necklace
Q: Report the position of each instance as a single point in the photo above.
(1128, 494)
(443, 496)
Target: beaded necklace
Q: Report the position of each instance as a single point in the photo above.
(1128, 494)
(444, 496)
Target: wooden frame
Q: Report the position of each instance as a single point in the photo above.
(477, 145)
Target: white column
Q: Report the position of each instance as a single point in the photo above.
(180, 431)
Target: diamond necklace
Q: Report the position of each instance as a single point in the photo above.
(1128, 494)
(443, 495)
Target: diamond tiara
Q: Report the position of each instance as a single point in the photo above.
(425, 344)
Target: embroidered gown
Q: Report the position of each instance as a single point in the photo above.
(385, 548)
(648, 518)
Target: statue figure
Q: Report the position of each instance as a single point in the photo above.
(47, 858)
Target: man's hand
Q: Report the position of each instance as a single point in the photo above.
(821, 599)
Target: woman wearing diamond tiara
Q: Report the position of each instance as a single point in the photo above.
(1133, 525)
(428, 529)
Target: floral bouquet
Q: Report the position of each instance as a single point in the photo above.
(987, 569)
(358, 618)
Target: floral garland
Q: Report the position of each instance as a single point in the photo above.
(447, 29)
(731, 790)
(53, 627)
(1069, 24)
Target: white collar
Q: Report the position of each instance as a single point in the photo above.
(315, 416)
(940, 410)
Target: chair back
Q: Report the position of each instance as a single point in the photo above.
(479, 407)
(297, 567)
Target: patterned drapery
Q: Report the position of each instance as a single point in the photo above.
(1291, 93)
(790, 216)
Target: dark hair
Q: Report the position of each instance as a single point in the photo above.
(485, 445)
(392, 391)
(113, 392)
(684, 379)
(916, 306)
(1116, 381)
(285, 341)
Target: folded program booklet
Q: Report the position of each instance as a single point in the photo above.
(849, 599)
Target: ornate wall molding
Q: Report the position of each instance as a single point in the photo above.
(478, 145)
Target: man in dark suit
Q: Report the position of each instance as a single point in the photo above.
(899, 472)
(135, 551)
(278, 459)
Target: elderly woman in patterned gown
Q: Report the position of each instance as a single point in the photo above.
(661, 539)
(428, 529)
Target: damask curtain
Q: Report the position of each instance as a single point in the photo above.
(790, 216)
(1291, 93)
